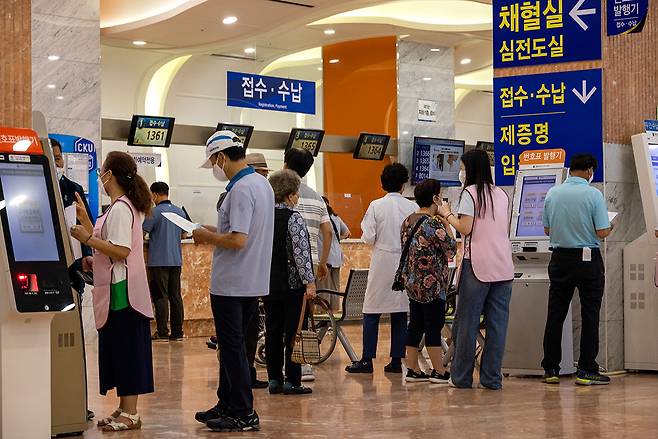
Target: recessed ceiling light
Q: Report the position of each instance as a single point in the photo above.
(59, 98)
(465, 61)
(329, 31)
(404, 133)
(53, 57)
(51, 86)
(320, 69)
(334, 61)
(427, 79)
(230, 19)
(139, 43)
(435, 49)
(402, 37)
(250, 50)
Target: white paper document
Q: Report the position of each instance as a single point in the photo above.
(70, 215)
(612, 216)
(181, 222)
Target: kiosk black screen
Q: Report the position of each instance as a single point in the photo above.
(371, 146)
(310, 140)
(28, 212)
(151, 131)
(243, 132)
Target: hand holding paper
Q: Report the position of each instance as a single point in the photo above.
(612, 216)
(181, 222)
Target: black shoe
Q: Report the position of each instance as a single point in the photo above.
(90, 415)
(591, 379)
(393, 368)
(258, 384)
(213, 413)
(159, 338)
(176, 337)
(226, 424)
(437, 378)
(416, 377)
(551, 376)
(359, 367)
(290, 389)
(275, 387)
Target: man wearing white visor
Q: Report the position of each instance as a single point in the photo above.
(240, 274)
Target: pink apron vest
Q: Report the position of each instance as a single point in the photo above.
(490, 248)
(138, 290)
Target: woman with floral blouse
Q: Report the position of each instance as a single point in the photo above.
(425, 276)
(291, 282)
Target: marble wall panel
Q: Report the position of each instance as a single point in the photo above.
(624, 198)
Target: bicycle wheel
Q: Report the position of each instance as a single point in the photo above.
(325, 324)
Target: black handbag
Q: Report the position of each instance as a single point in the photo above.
(398, 285)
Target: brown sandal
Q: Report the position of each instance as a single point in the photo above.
(105, 421)
(135, 423)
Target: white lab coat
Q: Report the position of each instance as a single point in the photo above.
(381, 229)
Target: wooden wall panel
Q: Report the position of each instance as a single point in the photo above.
(15, 63)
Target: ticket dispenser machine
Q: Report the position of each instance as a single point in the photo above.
(34, 284)
(531, 255)
(640, 291)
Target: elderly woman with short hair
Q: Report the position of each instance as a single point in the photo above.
(291, 282)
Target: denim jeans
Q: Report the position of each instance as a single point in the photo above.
(476, 298)
(371, 335)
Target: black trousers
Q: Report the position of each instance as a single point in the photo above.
(281, 321)
(427, 319)
(164, 283)
(232, 316)
(251, 343)
(567, 271)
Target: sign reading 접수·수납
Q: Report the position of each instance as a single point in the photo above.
(248, 90)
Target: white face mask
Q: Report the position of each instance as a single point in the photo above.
(591, 178)
(101, 185)
(60, 173)
(462, 177)
(219, 173)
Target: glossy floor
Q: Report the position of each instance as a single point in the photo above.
(383, 406)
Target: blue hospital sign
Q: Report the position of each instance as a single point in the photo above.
(626, 16)
(545, 31)
(547, 111)
(247, 90)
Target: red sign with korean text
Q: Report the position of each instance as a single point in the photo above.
(19, 140)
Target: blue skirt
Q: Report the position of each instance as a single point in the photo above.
(125, 358)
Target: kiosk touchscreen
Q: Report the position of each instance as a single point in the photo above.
(30, 225)
(531, 254)
(640, 291)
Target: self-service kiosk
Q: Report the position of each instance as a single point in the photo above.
(640, 292)
(531, 254)
(34, 290)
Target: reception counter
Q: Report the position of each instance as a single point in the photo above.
(195, 281)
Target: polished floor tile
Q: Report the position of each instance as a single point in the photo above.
(383, 406)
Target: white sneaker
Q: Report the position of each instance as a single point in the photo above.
(307, 373)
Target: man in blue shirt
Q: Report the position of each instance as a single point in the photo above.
(576, 219)
(164, 262)
(241, 266)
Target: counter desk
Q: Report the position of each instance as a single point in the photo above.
(195, 281)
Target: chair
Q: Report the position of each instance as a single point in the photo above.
(352, 306)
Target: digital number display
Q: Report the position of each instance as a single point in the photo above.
(371, 146)
(151, 131)
(438, 159)
(488, 147)
(310, 140)
(243, 132)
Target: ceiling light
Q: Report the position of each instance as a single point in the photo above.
(402, 37)
(465, 61)
(320, 69)
(427, 79)
(51, 86)
(435, 49)
(59, 98)
(230, 19)
(53, 57)
(404, 133)
(334, 61)
(249, 50)
(329, 32)
(139, 43)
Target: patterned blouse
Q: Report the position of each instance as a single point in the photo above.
(426, 273)
(300, 262)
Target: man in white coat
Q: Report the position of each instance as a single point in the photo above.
(381, 229)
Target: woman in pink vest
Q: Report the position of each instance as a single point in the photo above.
(122, 305)
(485, 284)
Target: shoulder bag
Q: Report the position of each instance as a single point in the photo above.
(398, 285)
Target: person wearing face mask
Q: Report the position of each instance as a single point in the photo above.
(240, 275)
(425, 276)
(69, 189)
(576, 220)
(487, 272)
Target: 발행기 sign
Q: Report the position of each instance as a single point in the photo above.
(626, 16)
(547, 111)
(545, 31)
(248, 90)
